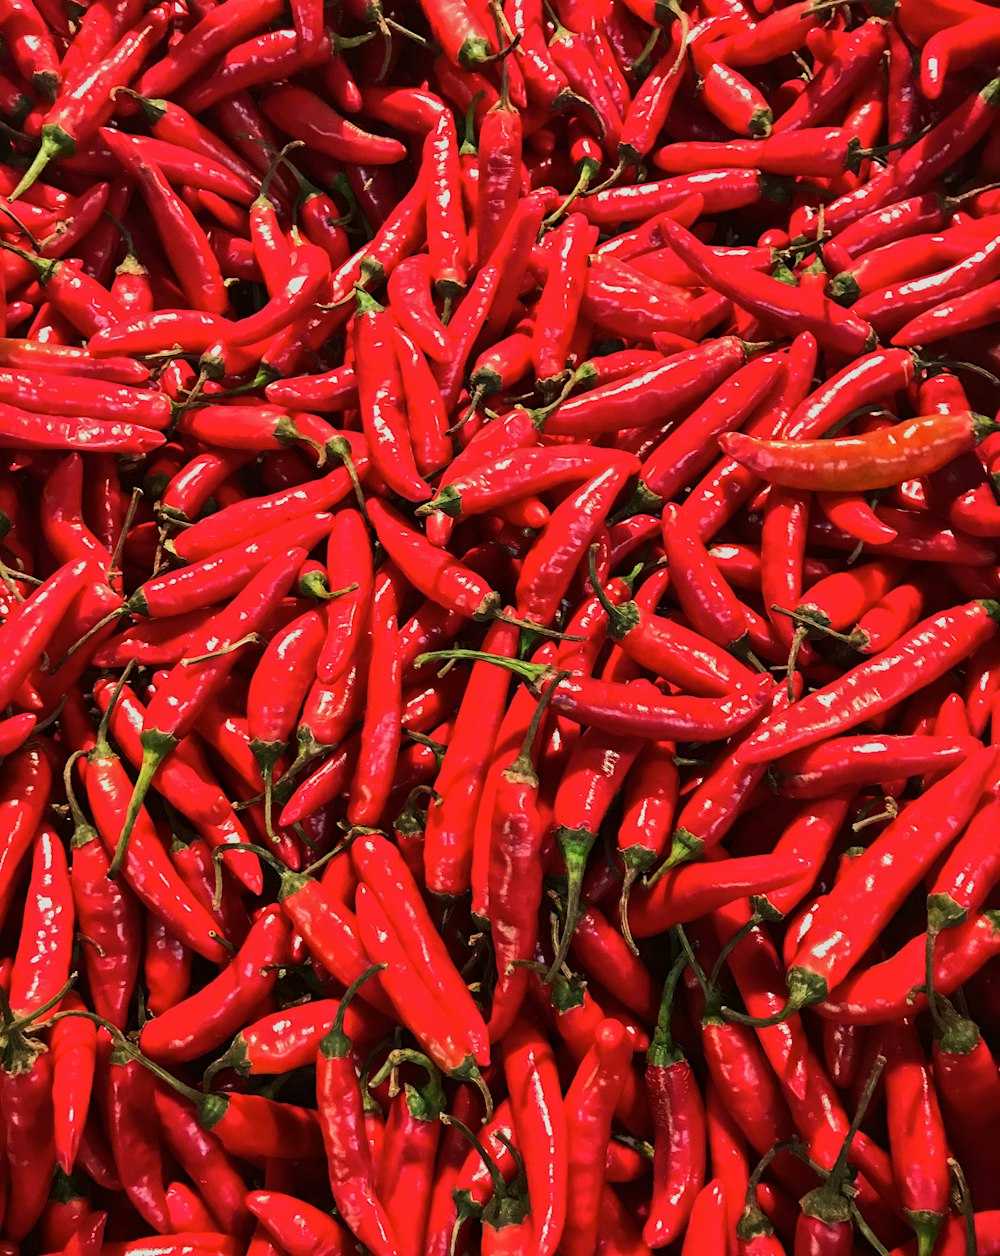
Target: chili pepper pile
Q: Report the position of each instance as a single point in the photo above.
(500, 576)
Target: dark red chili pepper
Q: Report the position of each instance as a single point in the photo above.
(26, 1093)
(515, 882)
(679, 1120)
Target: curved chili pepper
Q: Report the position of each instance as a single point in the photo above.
(298, 1226)
(886, 990)
(305, 116)
(206, 1019)
(590, 1103)
(541, 1127)
(936, 816)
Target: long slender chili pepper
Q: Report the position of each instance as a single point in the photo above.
(917, 1138)
(515, 886)
(590, 1103)
(679, 1120)
(540, 1123)
(937, 816)
(177, 704)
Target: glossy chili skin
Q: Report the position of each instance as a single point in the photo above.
(590, 1104)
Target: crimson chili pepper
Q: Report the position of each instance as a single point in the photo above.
(679, 1120)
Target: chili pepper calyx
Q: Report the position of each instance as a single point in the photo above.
(55, 143)
(156, 745)
(448, 501)
(236, 1057)
(943, 912)
(926, 1225)
(761, 121)
(566, 993)
(991, 607)
(805, 988)
(954, 1034)
(575, 846)
(684, 847)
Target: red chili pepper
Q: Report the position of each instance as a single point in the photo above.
(917, 1138)
(206, 1019)
(861, 463)
(965, 1077)
(937, 816)
(178, 702)
(32, 47)
(87, 103)
(558, 307)
(550, 564)
(28, 1122)
(299, 1227)
(127, 1102)
(305, 116)
(665, 388)
(180, 234)
(42, 962)
(590, 1103)
(383, 407)
(73, 1045)
(515, 883)
(679, 1119)
(917, 659)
